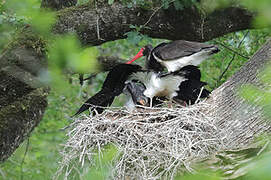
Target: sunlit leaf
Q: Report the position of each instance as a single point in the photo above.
(262, 7)
(39, 19)
(265, 75)
(86, 61)
(110, 2)
(26, 7)
(63, 50)
(211, 5)
(42, 22)
(250, 93)
(66, 52)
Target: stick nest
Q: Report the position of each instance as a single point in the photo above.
(153, 143)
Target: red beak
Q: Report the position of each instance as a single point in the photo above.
(138, 55)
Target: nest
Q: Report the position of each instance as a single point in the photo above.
(156, 143)
(153, 143)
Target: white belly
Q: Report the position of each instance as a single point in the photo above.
(165, 86)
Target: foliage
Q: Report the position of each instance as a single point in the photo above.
(102, 171)
(213, 68)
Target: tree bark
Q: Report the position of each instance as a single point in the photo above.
(58, 4)
(22, 96)
(96, 25)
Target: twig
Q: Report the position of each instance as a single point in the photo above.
(199, 95)
(2, 174)
(97, 28)
(263, 148)
(220, 77)
(235, 52)
(90, 77)
(155, 11)
(26, 150)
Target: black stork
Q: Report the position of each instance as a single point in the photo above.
(175, 55)
(113, 86)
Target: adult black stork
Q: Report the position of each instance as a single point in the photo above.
(175, 55)
(113, 86)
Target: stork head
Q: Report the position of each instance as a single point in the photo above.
(145, 51)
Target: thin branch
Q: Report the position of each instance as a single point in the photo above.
(90, 77)
(22, 163)
(98, 29)
(155, 11)
(220, 77)
(2, 174)
(235, 52)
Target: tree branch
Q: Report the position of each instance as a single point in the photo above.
(233, 56)
(114, 21)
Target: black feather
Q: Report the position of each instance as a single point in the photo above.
(112, 87)
(190, 89)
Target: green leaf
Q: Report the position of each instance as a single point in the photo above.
(110, 2)
(133, 37)
(66, 52)
(101, 170)
(265, 75)
(178, 5)
(250, 93)
(85, 61)
(42, 22)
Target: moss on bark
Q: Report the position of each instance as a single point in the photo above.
(22, 96)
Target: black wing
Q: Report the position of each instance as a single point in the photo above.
(178, 49)
(98, 101)
(112, 87)
(189, 72)
(190, 90)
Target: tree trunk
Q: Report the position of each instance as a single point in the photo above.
(22, 96)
